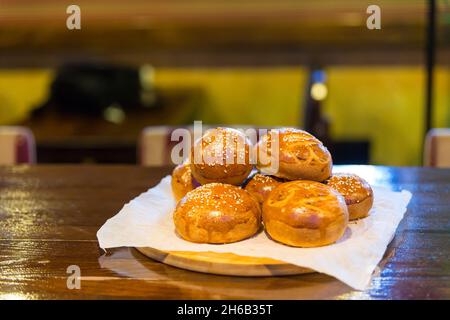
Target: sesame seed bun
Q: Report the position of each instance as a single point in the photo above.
(356, 191)
(221, 155)
(217, 213)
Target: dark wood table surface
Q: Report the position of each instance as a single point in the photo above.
(49, 216)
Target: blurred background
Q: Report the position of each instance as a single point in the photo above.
(87, 94)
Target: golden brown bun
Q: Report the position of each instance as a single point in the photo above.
(231, 164)
(217, 213)
(305, 214)
(181, 181)
(260, 185)
(301, 156)
(356, 191)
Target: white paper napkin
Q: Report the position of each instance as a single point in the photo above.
(146, 221)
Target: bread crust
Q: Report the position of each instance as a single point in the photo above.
(356, 191)
(231, 164)
(217, 213)
(305, 214)
(300, 156)
(260, 185)
(182, 181)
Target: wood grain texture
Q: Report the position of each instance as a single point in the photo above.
(227, 264)
(49, 216)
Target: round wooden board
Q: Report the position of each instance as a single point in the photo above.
(224, 263)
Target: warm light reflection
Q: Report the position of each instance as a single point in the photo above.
(13, 296)
(319, 91)
(355, 295)
(26, 215)
(20, 169)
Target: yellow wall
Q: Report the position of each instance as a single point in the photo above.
(20, 91)
(441, 115)
(386, 105)
(271, 96)
(237, 95)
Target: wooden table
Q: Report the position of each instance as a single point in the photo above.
(49, 216)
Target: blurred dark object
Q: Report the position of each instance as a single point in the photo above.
(430, 58)
(316, 91)
(65, 137)
(350, 152)
(316, 122)
(94, 150)
(90, 89)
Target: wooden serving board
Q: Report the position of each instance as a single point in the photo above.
(224, 263)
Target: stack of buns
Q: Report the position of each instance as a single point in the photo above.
(299, 204)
